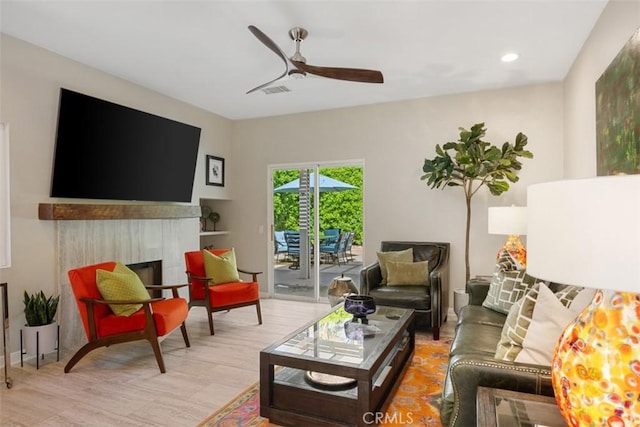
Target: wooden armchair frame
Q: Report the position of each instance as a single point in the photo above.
(206, 302)
(149, 332)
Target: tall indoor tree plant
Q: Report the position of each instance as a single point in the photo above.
(472, 163)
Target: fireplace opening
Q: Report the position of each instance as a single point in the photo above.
(150, 273)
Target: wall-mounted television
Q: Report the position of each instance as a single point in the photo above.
(109, 151)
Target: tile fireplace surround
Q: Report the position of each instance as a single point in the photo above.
(86, 242)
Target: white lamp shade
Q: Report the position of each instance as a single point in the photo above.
(508, 220)
(586, 232)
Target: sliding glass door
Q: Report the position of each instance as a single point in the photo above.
(316, 223)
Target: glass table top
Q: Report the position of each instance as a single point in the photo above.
(514, 412)
(336, 338)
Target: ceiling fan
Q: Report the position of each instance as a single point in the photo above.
(297, 66)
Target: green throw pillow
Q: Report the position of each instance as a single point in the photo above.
(407, 273)
(393, 256)
(222, 268)
(121, 284)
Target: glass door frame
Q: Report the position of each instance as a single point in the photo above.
(315, 271)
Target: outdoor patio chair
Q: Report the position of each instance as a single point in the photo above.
(336, 249)
(348, 245)
(292, 239)
(331, 235)
(279, 243)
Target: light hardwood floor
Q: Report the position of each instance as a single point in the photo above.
(123, 386)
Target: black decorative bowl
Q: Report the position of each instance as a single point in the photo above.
(359, 305)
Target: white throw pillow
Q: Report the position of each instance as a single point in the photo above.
(550, 318)
(582, 300)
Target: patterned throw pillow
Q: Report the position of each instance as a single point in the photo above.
(408, 273)
(506, 288)
(516, 325)
(525, 324)
(121, 284)
(505, 262)
(567, 294)
(393, 256)
(221, 268)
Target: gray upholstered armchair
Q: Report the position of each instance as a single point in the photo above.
(430, 302)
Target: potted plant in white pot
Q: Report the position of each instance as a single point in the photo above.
(40, 334)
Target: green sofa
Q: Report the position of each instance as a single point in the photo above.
(471, 362)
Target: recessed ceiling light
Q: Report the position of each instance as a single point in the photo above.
(509, 57)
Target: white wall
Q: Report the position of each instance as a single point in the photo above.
(619, 20)
(394, 139)
(31, 81)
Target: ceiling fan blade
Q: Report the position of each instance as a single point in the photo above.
(269, 43)
(276, 49)
(350, 74)
(267, 83)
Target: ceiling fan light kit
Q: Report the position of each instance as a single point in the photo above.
(297, 67)
(297, 74)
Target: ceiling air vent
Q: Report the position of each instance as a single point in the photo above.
(276, 89)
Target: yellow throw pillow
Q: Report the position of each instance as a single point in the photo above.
(223, 268)
(393, 256)
(408, 273)
(121, 284)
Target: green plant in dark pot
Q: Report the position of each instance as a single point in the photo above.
(471, 163)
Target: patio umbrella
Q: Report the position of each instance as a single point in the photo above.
(326, 185)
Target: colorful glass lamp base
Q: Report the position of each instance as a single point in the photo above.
(596, 366)
(516, 249)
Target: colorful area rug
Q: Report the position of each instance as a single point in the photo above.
(415, 402)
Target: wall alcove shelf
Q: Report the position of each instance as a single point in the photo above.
(81, 211)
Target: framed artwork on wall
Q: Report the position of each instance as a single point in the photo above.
(618, 112)
(215, 171)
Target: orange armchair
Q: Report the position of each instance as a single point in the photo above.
(204, 293)
(156, 318)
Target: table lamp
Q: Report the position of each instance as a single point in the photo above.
(510, 221)
(586, 232)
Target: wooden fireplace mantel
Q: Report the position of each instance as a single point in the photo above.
(80, 211)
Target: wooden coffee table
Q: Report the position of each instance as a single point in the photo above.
(334, 371)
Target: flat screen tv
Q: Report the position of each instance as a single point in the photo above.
(109, 151)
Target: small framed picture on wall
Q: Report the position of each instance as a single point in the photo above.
(215, 171)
